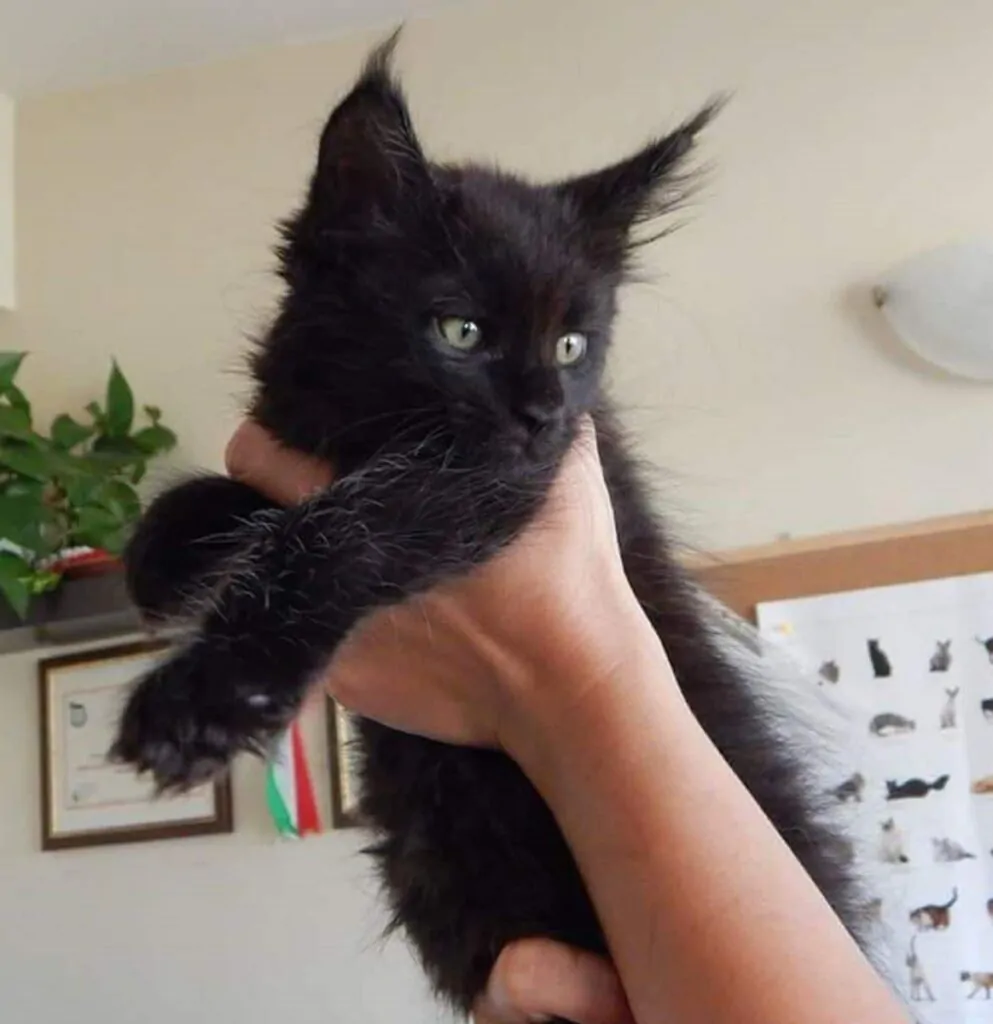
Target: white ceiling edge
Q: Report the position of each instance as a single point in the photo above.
(49, 46)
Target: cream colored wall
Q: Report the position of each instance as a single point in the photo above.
(754, 364)
(238, 928)
(859, 134)
(6, 202)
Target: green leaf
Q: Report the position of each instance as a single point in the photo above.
(108, 463)
(14, 423)
(43, 580)
(99, 528)
(121, 500)
(21, 520)
(115, 541)
(67, 432)
(25, 459)
(104, 503)
(120, 403)
(154, 413)
(81, 489)
(41, 460)
(125, 446)
(19, 487)
(96, 412)
(15, 575)
(108, 466)
(18, 400)
(10, 363)
(155, 439)
(93, 522)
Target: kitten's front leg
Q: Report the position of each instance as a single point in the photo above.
(184, 540)
(310, 574)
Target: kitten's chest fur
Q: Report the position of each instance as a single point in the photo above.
(470, 855)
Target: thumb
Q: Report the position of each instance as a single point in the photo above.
(254, 457)
(537, 979)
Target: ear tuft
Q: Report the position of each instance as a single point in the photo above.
(652, 183)
(379, 63)
(370, 173)
(369, 158)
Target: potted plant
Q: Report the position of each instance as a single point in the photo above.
(68, 498)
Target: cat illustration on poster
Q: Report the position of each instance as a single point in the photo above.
(987, 645)
(851, 790)
(941, 660)
(914, 789)
(891, 850)
(981, 981)
(881, 666)
(920, 990)
(947, 851)
(949, 715)
(934, 917)
(887, 723)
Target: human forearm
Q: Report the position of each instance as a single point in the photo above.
(709, 917)
(708, 914)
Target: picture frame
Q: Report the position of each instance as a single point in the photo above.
(85, 800)
(959, 545)
(344, 784)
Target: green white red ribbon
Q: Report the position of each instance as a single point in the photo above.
(289, 787)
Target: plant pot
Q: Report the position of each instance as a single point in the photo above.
(99, 563)
(90, 601)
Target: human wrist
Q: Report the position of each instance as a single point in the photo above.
(555, 701)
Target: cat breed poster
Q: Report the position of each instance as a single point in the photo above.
(910, 669)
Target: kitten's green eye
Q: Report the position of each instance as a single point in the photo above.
(458, 332)
(570, 348)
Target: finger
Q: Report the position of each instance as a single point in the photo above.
(580, 484)
(256, 458)
(536, 979)
(584, 451)
(586, 434)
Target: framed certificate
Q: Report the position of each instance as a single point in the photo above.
(86, 800)
(344, 784)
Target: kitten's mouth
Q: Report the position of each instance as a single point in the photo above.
(520, 443)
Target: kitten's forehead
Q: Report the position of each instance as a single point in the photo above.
(524, 238)
(504, 199)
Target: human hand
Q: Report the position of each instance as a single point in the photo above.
(460, 663)
(536, 979)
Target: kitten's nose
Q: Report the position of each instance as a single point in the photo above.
(537, 416)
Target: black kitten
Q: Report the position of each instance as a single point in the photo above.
(443, 329)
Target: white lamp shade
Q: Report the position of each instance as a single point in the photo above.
(941, 306)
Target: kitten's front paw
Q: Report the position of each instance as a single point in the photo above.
(184, 725)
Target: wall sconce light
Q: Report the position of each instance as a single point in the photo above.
(940, 304)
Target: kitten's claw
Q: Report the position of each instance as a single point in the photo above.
(185, 731)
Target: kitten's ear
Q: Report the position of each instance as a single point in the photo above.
(369, 156)
(653, 182)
